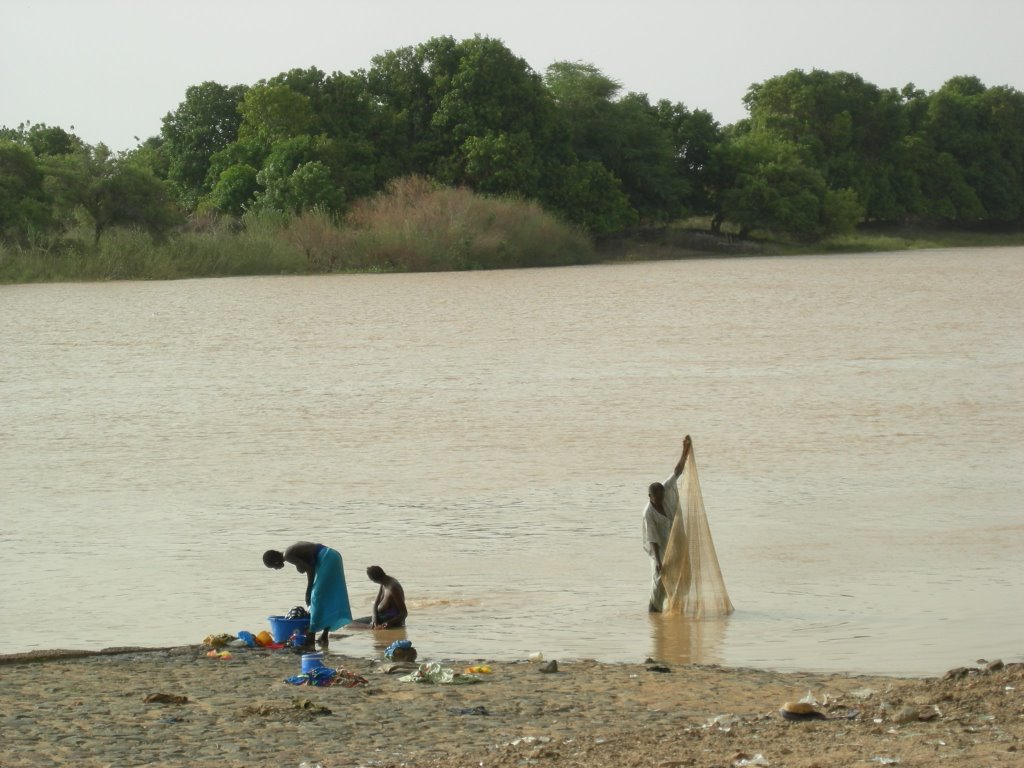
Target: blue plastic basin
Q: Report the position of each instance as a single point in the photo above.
(282, 628)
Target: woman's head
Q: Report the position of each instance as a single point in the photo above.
(273, 559)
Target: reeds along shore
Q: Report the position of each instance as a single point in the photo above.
(179, 706)
(415, 228)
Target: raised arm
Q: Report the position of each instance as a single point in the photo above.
(682, 459)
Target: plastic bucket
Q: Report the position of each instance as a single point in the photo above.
(281, 628)
(311, 661)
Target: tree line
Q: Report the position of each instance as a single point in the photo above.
(819, 153)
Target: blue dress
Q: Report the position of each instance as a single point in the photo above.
(328, 603)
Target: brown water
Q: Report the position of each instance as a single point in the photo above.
(488, 439)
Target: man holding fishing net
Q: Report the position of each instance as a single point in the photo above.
(686, 577)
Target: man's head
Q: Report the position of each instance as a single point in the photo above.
(376, 573)
(656, 493)
(273, 559)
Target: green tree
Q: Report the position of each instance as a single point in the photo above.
(272, 113)
(407, 84)
(111, 189)
(46, 140)
(235, 190)
(776, 189)
(500, 163)
(588, 194)
(204, 123)
(982, 130)
(294, 177)
(494, 99)
(24, 205)
(694, 137)
(626, 135)
(850, 130)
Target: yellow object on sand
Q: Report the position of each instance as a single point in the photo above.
(264, 638)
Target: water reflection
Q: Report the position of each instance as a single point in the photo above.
(679, 640)
(382, 638)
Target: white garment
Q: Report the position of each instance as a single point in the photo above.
(656, 526)
(656, 530)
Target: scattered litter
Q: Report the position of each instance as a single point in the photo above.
(529, 740)
(321, 677)
(478, 669)
(863, 693)
(536, 656)
(906, 714)
(435, 673)
(885, 760)
(222, 655)
(246, 639)
(219, 640)
(757, 759)
(800, 710)
(724, 722)
(400, 650)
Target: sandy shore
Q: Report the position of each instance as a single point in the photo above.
(178, 706)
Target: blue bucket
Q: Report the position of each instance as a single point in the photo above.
(311, 661)
(282, 628)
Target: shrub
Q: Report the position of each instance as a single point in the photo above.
(416, 225)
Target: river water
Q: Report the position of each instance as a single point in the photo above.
(488, 439)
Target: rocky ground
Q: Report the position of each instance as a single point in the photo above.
(181, 707)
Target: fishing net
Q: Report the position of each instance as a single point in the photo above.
(691, 578)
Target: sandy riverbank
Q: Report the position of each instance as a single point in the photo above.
(179, 707)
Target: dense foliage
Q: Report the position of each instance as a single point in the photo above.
(819, 154)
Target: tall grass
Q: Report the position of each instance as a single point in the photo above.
(129, 254)
(417, 226)
(413, 226)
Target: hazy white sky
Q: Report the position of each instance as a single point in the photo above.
(114, 68)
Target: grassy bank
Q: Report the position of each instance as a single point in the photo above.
(691, 239)
(413, 227)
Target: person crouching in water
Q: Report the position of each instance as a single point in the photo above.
(389, 609)
(326, 591)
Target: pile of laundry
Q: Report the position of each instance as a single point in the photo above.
(242, 640)
(322, 677)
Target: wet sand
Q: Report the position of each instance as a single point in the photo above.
(180, 707)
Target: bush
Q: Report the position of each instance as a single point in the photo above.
(417, 226)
